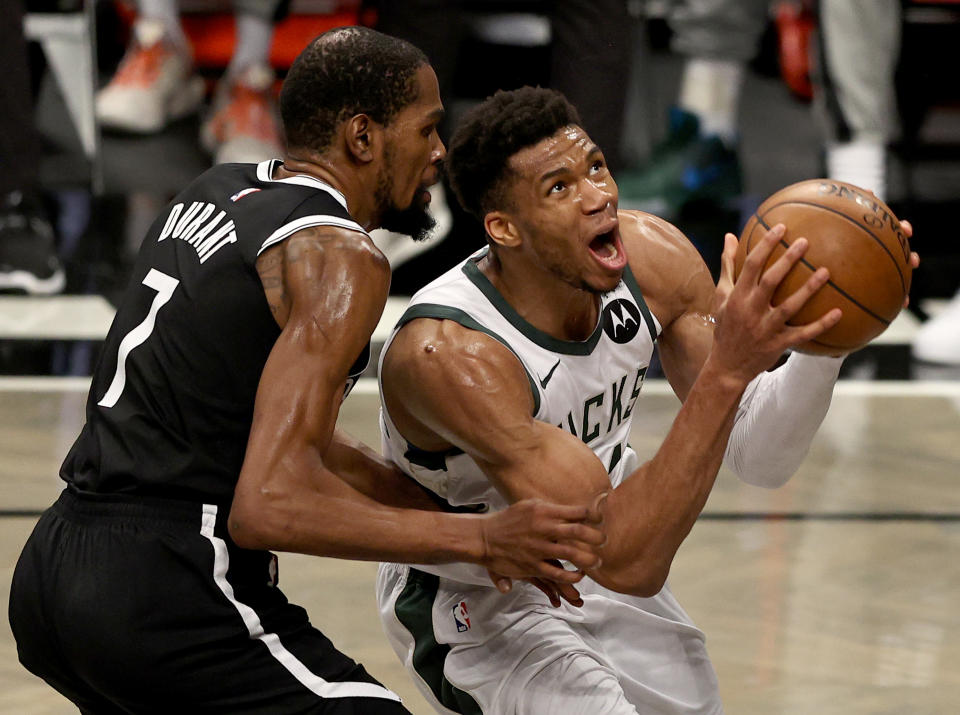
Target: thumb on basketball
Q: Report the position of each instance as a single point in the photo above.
(726, 279)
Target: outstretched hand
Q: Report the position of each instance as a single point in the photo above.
(752, 333)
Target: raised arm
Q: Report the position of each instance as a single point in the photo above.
(470, 392)
(781, 410)
(327, 289)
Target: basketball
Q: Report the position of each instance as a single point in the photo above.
(853, 234)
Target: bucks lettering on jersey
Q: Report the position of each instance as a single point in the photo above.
(171, 400)
(587, 388)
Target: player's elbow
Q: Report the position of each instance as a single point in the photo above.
(245, 530)
(251, 524)
(642, 581)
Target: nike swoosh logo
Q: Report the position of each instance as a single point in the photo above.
(545, 380)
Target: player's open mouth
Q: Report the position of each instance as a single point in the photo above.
(608, 249)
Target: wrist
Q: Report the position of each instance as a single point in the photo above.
(722, 378)
(465, 537)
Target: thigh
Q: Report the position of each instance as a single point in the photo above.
(542, 663)
(37, 647)
(152, 618)
(576, 683)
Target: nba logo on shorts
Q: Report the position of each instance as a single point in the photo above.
(460, 617)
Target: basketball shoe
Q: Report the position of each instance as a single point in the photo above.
(243, 125)
(153, 86)
(938, 339)
(28, 259)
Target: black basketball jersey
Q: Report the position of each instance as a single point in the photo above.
(171, 400)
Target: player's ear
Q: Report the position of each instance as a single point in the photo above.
(501, 228)
(362, 136)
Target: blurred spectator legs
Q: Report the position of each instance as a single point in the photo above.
(28, 259)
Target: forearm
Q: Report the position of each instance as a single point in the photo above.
(651, 512)
(778, 417)
(329, 517)
(373, 475)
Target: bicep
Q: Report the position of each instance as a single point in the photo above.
(469, 391)
(684, 347)
(679, 290)
(686, 340)
(336, 289)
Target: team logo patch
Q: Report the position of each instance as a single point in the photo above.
(460, 617)
(621, 320)
(240, 194)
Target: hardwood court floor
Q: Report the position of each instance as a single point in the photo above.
(845, 603)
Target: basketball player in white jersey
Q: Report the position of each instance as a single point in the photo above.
(517, 373)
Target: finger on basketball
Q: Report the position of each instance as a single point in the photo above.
(858, 238)
(774, 275)
(796, 300)
(730, 247)
(810, 331)
(757, 258)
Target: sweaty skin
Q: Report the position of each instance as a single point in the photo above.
(305, 486)
(559, 243)
(486, 404)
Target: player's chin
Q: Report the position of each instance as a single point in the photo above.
(603, 282)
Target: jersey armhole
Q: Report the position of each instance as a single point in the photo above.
(290, 228)
(445, 312)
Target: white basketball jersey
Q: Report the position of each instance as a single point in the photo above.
(513, 647)
(587, 388)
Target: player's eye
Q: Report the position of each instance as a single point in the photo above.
(557, 187)
(597, 166)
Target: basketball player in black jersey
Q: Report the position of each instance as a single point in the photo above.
(211, 424)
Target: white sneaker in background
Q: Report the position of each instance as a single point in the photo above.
(153, 85)
(243, 125)
(938, 339)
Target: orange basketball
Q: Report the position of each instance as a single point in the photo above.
(857, 237)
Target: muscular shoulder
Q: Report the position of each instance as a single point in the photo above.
(441, 381)
(668, 268)
(330, 243)
(323, 266)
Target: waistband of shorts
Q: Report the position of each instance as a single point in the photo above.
(81, 504)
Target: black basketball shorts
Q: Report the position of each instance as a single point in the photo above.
(146, 606)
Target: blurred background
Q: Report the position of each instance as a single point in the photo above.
(703, 108)
(837, 593)
(702, 111)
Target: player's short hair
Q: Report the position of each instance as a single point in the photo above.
(493, 131)
(344, 72)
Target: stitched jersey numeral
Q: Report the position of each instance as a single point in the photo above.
(164, 285)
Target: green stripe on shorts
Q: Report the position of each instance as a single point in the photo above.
(414, 608)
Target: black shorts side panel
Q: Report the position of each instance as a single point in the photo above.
(117, 606)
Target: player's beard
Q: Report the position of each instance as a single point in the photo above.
(414, 221)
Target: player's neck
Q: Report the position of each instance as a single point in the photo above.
(331, 172)
(554, 307)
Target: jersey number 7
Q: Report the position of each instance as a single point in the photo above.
(164, 285)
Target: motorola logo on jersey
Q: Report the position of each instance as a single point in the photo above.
(621, 320)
